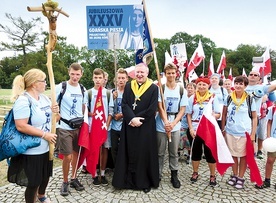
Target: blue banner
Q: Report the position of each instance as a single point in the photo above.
(115, 26)
(145, 54)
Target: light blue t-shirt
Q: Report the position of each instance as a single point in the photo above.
(108, 105)
(171, 99)
(117, 125)
(238, 121)
(71, 103)
(40, 118)
(196, 110)
(258, 91)
(221, 97)
(271, 116)
(184, 123)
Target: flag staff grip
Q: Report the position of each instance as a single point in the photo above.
(156, 66)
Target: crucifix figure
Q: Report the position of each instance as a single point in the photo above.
(48, 9)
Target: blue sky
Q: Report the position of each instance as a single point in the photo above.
(227, 23)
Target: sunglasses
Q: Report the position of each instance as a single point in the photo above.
(251, 74)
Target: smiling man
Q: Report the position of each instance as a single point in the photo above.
(169, 122)
(137, 160)
(259, 91)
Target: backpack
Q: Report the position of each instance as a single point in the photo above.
(13, 142)
(63, 90)
(90, 97)
(249, 100)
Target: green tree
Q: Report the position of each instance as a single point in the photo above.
(21, 34)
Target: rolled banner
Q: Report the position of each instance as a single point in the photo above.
(269, 144)
(272, 96)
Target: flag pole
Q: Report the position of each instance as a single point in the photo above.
(156, 64)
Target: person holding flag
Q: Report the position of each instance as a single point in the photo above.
(100, 115)
(169, 121)
(194, 111)
(137, 160)
(238, 117)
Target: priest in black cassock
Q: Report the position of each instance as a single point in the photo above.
(137, 161)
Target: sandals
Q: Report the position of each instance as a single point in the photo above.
(194, 177)
(239, 183)
(232, 181)
(213, 181)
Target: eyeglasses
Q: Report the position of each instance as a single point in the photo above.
(42, 81)
(255, 75)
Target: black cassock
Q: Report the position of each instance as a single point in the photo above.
(137, 160)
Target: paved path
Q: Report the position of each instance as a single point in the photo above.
(192, 193)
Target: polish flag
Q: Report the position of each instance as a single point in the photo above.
(196, 59)
(222, 63)
(266, 68)
(263, 67)
(192, 76)
(230, 75)
(131, 71)
(208, 129)
(244, 73)
(84, 139)
(211, 69)
(98, 134)
(255, 175)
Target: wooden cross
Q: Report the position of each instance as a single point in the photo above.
(49, 13)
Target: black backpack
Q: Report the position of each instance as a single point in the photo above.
(63, 90)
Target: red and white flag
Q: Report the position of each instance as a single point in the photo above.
(230, 77)
(98, 134)
(244, 73)
(131, 71)
(84, 139)
(222, 63)
(208, 129)
(255, 175)
(267, 62)
(196, 59)
(211, 69)
(265, 67)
